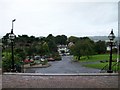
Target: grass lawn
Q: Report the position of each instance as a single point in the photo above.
(98, 58)
(97, 66)
(101, 65)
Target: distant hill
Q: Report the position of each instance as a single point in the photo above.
(97, 38)
(103, 38)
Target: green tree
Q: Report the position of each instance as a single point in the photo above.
(50, 37)
(100, 47)
(61, 39)
(7, 61)
(87, 48)
(51, 43)
(42, 48)
(5, 41)
(52, 46)
(83, 47)
(73, 39)
(76, 50)
(45, 48)
(20, 53)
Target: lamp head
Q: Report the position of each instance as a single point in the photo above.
(12, 36)
(13, 20)
(111, 36)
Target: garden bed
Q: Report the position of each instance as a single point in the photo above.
(36, 66)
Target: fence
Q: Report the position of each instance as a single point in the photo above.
(115, 68)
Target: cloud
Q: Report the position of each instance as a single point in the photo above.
(42, 17)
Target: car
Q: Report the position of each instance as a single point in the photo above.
(50, 59)
(63, 54)
(28, 61)
(42, 59)
(37, 57)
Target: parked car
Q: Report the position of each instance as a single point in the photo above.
(42, 59)
(63, 54)
(50, 59)
(37, 57)
(28, 60)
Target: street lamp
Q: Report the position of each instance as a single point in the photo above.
(12, 37)
(111, 37)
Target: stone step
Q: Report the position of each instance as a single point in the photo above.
(62, 74)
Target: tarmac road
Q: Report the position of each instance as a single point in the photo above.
(66, 65)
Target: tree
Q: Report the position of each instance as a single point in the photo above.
(50, 37)
(73, 39)
(5, 41)
(52, 46)
(51, 43)
(76, 50)
(83, 47)
(87, 48)
(22, 41)
(45, 48)
(61, 40)
(100, 47)
(20, 53)
(7, 59)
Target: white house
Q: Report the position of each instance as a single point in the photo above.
(108, 48)
(70, 44)
(63, 49)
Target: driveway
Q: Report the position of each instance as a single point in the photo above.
(66, 65)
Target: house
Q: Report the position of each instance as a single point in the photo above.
(71, 44)
(108, 46)
(63, 49)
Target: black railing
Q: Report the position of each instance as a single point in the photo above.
(104, 69)
(114, 66)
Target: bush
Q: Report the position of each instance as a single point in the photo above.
(57, 58)
(7, 62)
(44, 62)
(32, 63)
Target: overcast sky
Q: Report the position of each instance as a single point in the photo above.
(69, 17)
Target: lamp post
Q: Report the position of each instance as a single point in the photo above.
(111, 37)
(12, 37)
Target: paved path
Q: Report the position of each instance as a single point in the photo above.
(52, 81)
(66, 65)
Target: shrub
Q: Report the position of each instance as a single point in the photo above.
(7, 62)
(57, 58)
(32, 63)
(44, 62)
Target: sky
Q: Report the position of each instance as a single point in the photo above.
(69, 17)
